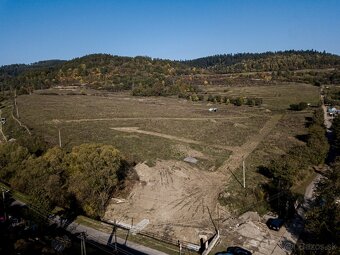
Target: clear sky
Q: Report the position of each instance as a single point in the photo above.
(32, 30)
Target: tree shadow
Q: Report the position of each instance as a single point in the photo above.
(309, 121)
(265, 171)
(302, 138)
(70, 214)
(109, 241)
(124, 170)
(280, 200)
(236, 178)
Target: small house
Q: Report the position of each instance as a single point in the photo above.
(331, 110)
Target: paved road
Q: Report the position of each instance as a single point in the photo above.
(328, 122)
(294, 228)
(107, 239)
(293, 231)
(102, 238)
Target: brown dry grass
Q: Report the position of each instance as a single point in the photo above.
(90, 119)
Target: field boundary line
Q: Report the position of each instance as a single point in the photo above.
(171, 137)
(240, 154)
(19, 122)
(153, 118)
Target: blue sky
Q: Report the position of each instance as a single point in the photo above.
(33, 30)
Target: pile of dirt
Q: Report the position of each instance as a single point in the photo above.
(174, 197)
(189, 152)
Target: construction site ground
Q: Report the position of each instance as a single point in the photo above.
(172, 199)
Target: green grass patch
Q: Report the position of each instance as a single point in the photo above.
(275, 97)
(300, 188)
(240, 199)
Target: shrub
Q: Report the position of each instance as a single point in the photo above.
(239, 101)
(298, 107)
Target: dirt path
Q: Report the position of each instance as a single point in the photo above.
(328, 119)
(242, 152)
(20, 124)
(152, 118)
(3, 139)
(171, 137)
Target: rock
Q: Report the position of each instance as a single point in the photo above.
(250, 216)
(191, 160)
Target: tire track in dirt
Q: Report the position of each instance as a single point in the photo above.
(152, 118)
(206, 197)
(178, 195)
(171, 137)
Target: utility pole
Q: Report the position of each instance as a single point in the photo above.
(278, 200)
(115, 236)
(1, 125)
(244, 175)
(59, 137)
(82, 243)
(4, 203)
(218, 216)
(127, 235)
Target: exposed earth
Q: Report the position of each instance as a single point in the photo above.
(176, 197)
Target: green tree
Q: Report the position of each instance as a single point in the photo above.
(298, 107)
(317, 143)
(44, 179)
(258, 101)
(95, 171)
(210, 98)
(323, 220)
(239, 101)
(12, 158)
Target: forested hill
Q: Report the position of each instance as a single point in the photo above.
(156, 77)
(99, 71)
(16, 69)
(268, 61)
(116, 73)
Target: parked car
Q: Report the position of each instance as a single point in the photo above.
(275, 223)
(234, 250)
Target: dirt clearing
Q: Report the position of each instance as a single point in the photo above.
(175, 197)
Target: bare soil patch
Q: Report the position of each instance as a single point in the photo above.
(174, 196)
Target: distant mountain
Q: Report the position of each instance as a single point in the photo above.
(267, 61)
(147, 76)
(117, 73)
(16, 69)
